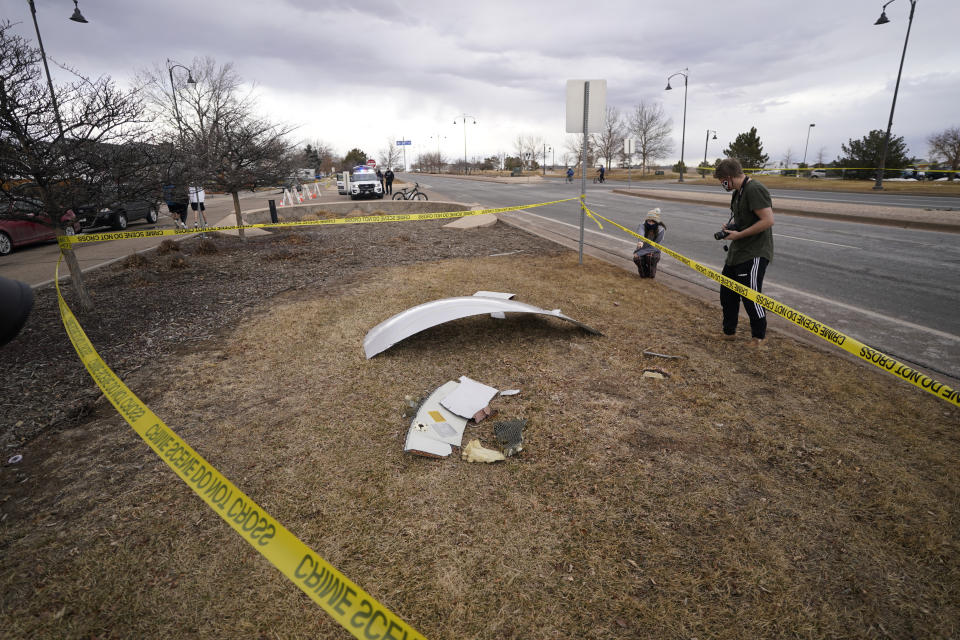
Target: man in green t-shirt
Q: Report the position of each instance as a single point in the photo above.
(751, 247)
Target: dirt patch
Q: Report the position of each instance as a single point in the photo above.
(749, 494)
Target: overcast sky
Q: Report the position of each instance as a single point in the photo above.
(360, 74)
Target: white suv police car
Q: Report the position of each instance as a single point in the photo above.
(364, 183)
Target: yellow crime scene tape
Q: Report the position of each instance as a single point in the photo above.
(66, 242)
(845, 342)
(352, 607)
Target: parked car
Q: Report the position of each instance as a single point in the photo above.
(119, 215)
(36, 228)
(818, 173)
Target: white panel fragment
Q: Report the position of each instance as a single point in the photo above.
(469, 398)
(430, 314)
(434, 429)
(499, 315)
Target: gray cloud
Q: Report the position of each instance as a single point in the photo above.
(356, 73)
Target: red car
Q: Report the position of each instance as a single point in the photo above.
(17, 233)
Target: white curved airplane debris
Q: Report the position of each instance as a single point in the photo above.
(430, 314)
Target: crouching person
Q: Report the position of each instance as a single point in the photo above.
(646, 256)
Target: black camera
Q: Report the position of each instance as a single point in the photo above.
(720, 235)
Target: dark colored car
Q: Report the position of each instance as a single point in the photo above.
(118, 216)
(35, 227)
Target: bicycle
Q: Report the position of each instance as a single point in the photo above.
(408, 193)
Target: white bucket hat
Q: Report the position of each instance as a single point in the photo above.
(654, 214)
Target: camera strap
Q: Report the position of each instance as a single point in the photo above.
(735, 197)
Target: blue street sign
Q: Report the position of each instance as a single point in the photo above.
(400, 143)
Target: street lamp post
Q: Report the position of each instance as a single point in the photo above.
(464, 117)
(707, 142)
(886, 141)
(173, 91)
(76, 17)
(805, 147)
(545, 147)
(683, 136)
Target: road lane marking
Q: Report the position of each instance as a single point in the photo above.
(867, 312)
(847, 246)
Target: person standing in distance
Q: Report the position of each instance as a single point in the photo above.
(388, 177)
(750, 232)
(196, 196)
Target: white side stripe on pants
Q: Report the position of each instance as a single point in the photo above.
(753, 285)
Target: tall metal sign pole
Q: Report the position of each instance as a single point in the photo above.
(628, 151)
(588, 120)
(404, 144)
(583, 164)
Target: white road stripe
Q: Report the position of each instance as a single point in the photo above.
(847, 246)
(770, 285)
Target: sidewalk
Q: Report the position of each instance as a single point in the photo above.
(905, 217)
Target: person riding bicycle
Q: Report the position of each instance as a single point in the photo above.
(569, 174)
(600, 177)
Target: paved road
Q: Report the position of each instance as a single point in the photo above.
(895, 289)
(884, 198)
(35, 264)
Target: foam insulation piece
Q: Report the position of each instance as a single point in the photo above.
(475, 452)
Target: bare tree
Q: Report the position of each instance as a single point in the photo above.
(520, 146)
(574, 146)
(609, 141)
(320, 154)
(224, 143)
(651, 129)
(431, 161)
(390, 154)
(945, 146)
(787, 160)
(92, 152)
(821, 156)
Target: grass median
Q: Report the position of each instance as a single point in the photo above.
(781, 492)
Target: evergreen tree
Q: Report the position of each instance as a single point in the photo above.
(353, 158)
(748, 149)
(866, 152)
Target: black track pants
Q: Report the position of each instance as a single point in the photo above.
(750, 274)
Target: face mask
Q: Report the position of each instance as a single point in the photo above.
(650, 224)
(726, 185)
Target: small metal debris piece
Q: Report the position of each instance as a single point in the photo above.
(509, 392)
(483, 414)
(510, 435)
(661, 355)
(655, 372)
(15, 459)
(475, 452)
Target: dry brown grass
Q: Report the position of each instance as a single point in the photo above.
(167, 247)
(781, 493)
